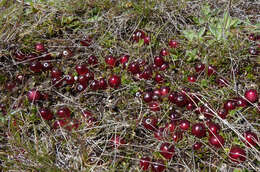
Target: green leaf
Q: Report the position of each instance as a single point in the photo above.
(202, 31)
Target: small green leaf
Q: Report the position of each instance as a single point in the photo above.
(202, 31)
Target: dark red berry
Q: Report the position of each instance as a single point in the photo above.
(114, 81)
(198, 130)
(222, 113)
(216, 140)
(89, 76)
(192, 78)
(173, 44)
(46, 66)
(10, 85)
(19, 56)
(211, 70)
(67, 53)
(33, 95)
(251, 138)
(134, 68)
(251, 95)
(110, 60)
(69, 79)
(167, 150)
(150, 123)
(170, 127)
(147, 40)
(164, 52)
(159, 78)
(164, 90)
(184, 124)
(124, 59)
(240, 102)
(174, 115)
(159, 134)
(213, 128)
(138, 34)
(158, 61)
(81, 87)
(72, 125)
(145, 163)
(154, 106)
(82, 79)
(86, 41)
(147, 97)
(94, 85)
(36, 66)
(177, 136)
(57, 82)
(92, 60)
(253, 51)
(252, 37)
(230, 105)
(199, 67)
(60, 123)
(158, 166)
(81, 69)
(146, 74)
(237, 154)
(197, 146)
(40, 47)
(46, 114)
(56, 73)
(64, 112)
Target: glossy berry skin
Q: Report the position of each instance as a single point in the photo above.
(240, 102)
(86, 41)
(36, 66)
(167, 150)
(198, 130)
(164, 52)
(160, 133)
(138, 34)
(217, 141)
(178, 98)
(230, 105)
(197, 146)
(46, 66)
(57, 82)
(64, 112)
(111, 61)
(40, 47)
(72, 125)
(117, 141)
(213, 128)
(173, 44)
(94, 85)
(199, 67)
(211, 70)
(158, 61)
(251, 138)
(69, 79)
(147, 40)
(222, 113)
(184, 124)
(164, 90)
(154, 106)
(60, 123)
(114, 81)
(92, 60)
(46, 114)
(56, 73)
(164, 66)
(146, 74)
(134, 68)
(89, 76)
(174, 115)
(170, 127)
(177, 136)
(158, 166)
(124, 59)
(145, 163)
(82, 79)
(147, 97)
(192, 78)
(251, 95)
(102, 84)
(237, 154)
(159, 78)
(81, 69)
(150, 123)
(33, 95)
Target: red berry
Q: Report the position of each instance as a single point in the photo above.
(164, 90)
(138, 34)
(159, 78)
(146, 40)
(198, 130)
(252, 37)
(173, 44)
(86, 41)
(146, 74)
(47, 66)
(81, 69)
(184, 124)
(56, 73)
(174, 115)
(20, 78)
(211, 70)
(92, 60)
(199, 67)
(36, 66)
(251, 138)
(240, 102)
(164, 66)
(222, 113)
(46, 114)
(167, 150)
(164, 52)
(251, 95)
(124, 59)
(177, 136)
(87, 114)
(253, 51)
(82, 79)
(114, 81)
(72, 125)
(154, 106)
(64, 112)
(213, 128)
(147, 97)
(89, 76)
(158, 166)
(67, 53)
(230, 105)
(10, 85)
(197, 146)
(150, 123)
(33, 95)
(158, 61)
(111, 61)
(159, 134)
(170, 126)
(102, 83)
(69, 79)
(144, 163)
(216, 140)
(40, 47)
(94, 85)
(134, 68)
(192, 78)
(178, 98)
(57, 82)
(59, 123)
(237, 154)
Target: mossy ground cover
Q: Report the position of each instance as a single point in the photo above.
(215, 33)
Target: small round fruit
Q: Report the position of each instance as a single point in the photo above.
(94, 85)
(81, 87)
(158, 166)
(177, 136)
(173, 44)
(111, 61)
(237, 154)
(222, 113)
(102, 83)
(36, 66)
(64, 112)
(251, 95)
(134, 68)
(160, 133)
(92, 60)
(124, 59)
(154, 106)
(197, 146)
(217, 141)
(81, 69)
(150, 123)
(158, 61)
(211, 70)
(33, 95)
(164, 90)
(251, 138)
(46, 114)
(69, 79)
(114, 81)
(230, 105)
(164, 52)
(167, 150)
(199, 67)
(67, 53)
(198, 130)
(159, 78)
(147, 97)
(240, 102)
(59, 123)
(40, 47)
(184, 124)
(253, 51)
(213, 128)
(145, 163)
(147, 40)
(192, 78)
(56, 73)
